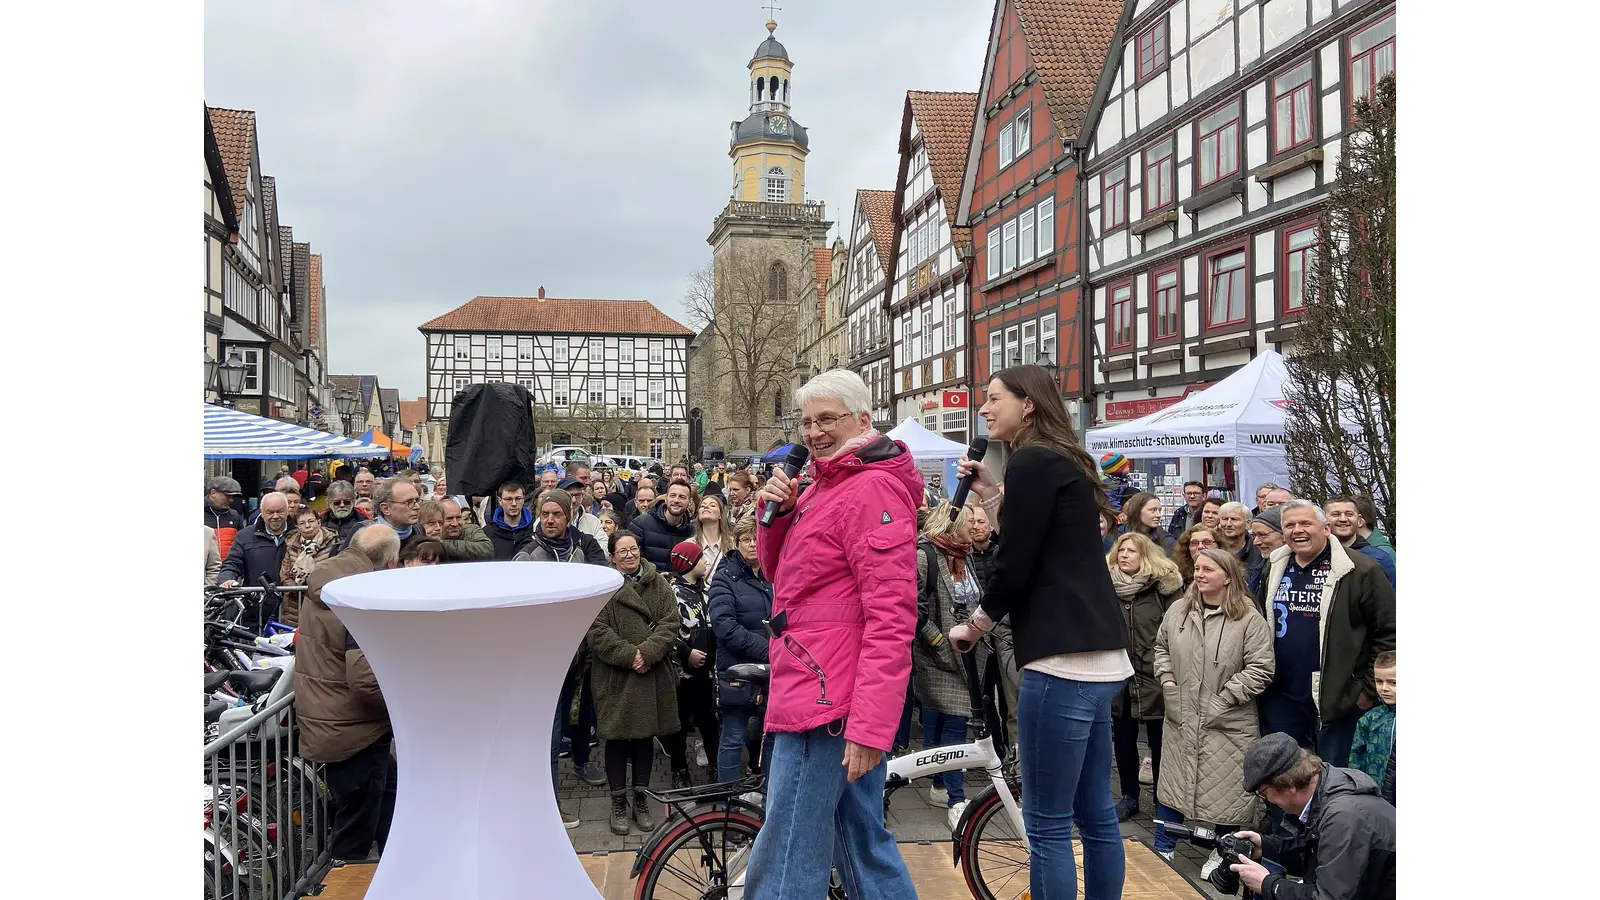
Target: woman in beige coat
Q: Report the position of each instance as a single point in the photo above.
(1213, 656)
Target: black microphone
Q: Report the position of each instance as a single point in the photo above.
(975, 452)
(792, 464)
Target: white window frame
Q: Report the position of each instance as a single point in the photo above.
(625, 390)
(1008, 246)
(597, 350)
(252, 369)
(492, 349)
(559, 349)
(658, 351)
(776, 185)
(1030, 338)
(991, 254)
(1013, 347)
(1008, 146)
(525, 349)
(655, 447)
(560, 393)
(462, 384)
(526, 384)
(1047, 338)
(1025, 238)
(1045, 227)
(625, 352)
(1024, 132)
(625, 447)
(463, 345)
(658, 393)
(951, 316)
(997, 351)
(597, 393)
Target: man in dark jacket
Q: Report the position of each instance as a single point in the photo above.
(1341, 833)
(1194, 495)
(221, 517)
(258, 550)
(1331, 613)
(344, 723)
(342, 517)
(510, 523)
(666, 525)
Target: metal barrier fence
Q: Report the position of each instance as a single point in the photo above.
(267, 816)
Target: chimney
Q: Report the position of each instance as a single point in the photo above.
(541, 292)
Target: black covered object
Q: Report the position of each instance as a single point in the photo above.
(491, 439)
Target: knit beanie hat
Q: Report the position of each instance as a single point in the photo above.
(557, 496)
(1115, 464)
(684, 556)
(1272, 518)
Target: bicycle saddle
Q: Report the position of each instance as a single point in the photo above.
(215, 709)
(254, 682)
(749, 672)
(215, 680)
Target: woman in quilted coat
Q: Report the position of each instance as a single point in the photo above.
(1213, 656)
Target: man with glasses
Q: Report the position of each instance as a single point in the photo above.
(399, 505)
(258, 550)
(1194, 497)
(366, 483)
(342, 517)
(510, 522)
(463, 541)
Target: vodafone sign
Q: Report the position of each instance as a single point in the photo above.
(955, 399)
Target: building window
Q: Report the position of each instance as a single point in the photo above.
(1030, 342)
(1047, 225)
(625, 352)
(1025, 247)
(526, 384)
(1158, 177)
(1047, 340)
(597, 395)
(560, 345)
(561, 439)
(777, 286)
(657, 351)
(1371, 57)
(928, 340)
(525, 348)
(252, 371)
(1023, 128)
(1114, 199)
(1013, 348)
(991, 253)
(1299, 253)
(1291, 108)
(1164, 287)
(461, 384)
(463, 348)
(1219, 144)
(655, 448)
(597, 449)
(625, 447)
(658, 393)
(1008, 145)
(494, 349)
(1008, 245)
(1227, 285)
(1120, 334)
(625, 393)
(559, 391)
(951, 332)
(777, 186)
(997, 357)
(1152, 49)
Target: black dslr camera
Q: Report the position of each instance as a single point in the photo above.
(1230, 847)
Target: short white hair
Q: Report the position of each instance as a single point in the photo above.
(842, 385)
(1235, 507)
(274, 495)
(1305, 504)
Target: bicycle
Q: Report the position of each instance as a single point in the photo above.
(701, 850)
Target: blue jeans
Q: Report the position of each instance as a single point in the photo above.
(730, 742)
(1064, 749)
(815, 818)
(939, 730)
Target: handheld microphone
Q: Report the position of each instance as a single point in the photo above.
(792, 464)
(975, 452)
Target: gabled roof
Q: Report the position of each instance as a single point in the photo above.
(413, 412)
(314, 299)
(879, 206)
(944, 119)
(389, 397)
(1068, 40)
(557, 316)
(269, 216)
(348, 383)
(286, 257)
(219, 176)
(235, 130)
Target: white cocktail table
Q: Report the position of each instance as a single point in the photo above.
(471, 658)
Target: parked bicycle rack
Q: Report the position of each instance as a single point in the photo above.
(267, 820)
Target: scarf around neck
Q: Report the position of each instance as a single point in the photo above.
(1129, 586)
(561, 548)
(956, 551)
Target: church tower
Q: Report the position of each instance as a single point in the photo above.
(762, 243)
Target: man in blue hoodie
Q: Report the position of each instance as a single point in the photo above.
(510, 524)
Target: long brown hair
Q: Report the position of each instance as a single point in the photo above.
(1181, 554)
(1049, 426)
(1133, 508)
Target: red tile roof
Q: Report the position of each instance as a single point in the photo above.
(945, 120)
(235, 130)
(557, 316)
(413, 412)
(822, 261)
(314, 300)
(880, 221)
(1068, 40)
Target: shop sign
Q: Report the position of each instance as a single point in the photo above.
(928, 404)
(1134, 409)
(955, 399)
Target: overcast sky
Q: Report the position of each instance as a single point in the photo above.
(433, 152)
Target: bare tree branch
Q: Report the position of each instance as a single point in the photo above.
(751, 320)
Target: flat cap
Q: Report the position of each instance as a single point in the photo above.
(1267, 757)
(225, 485)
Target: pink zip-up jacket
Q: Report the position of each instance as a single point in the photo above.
(843, 564)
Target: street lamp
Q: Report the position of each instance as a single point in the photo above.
(211, 372)
(232, 373)
(345, 400)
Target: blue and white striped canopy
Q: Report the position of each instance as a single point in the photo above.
(231, 434)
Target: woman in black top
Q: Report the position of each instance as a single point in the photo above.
(1070, 639)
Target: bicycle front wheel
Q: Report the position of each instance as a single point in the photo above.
(995, 855)
(692, 862)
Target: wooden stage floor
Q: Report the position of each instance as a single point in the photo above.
(1149, 877)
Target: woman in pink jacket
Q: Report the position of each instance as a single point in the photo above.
(842, 560)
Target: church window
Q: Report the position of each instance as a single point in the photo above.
(778, 282)
(777, 186)
(772, 88)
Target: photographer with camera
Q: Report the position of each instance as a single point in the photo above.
(1341, 833)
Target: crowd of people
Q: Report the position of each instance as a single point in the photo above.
(1220, 629)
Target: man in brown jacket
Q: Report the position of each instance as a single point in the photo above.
(344, 723)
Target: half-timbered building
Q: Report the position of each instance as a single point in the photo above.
(1019, 194)
(221, 223)
(926, 303)
(619, 359)
(1213, 148)
(871, 246)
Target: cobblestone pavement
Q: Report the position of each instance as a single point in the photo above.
(911, 816)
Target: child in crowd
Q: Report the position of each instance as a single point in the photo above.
(1373, 750)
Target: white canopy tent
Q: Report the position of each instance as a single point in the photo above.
(923, 443)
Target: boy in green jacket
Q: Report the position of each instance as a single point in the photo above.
(1373, 750)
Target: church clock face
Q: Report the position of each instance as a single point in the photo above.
(778, 125)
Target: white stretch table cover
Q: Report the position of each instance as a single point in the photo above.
(471, 659)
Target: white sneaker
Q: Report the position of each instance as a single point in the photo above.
(1147, 772)
(954, 816)
(938, 796)
(700, 755)
(755, 798)
(1167, 854)
(1212, 862)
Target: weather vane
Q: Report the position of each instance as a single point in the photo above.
(772, 10)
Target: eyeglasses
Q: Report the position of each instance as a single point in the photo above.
(341, 502)
(1201, 544)
(626, 551)
(823, 422)
(414, 501)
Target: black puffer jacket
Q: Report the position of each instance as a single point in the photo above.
(254, 553)
(740, 602)
(657, 537)
(1345, 848)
